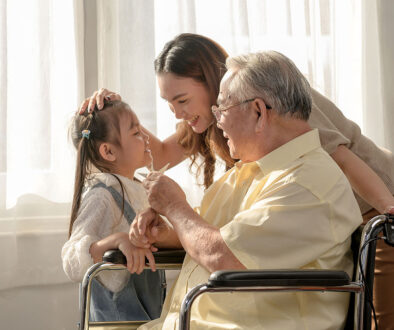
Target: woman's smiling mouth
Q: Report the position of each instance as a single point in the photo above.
(193, 121)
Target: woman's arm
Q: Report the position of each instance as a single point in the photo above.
(164, 152)
(364, 180)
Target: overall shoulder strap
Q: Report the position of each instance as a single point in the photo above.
(129, 213)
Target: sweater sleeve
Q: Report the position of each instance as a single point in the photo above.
(94, 222)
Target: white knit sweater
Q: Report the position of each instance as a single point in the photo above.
(98, 217)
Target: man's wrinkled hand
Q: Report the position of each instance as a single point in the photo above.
(140, 230)
(163, 193)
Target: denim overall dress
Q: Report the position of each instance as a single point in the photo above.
(142, 297)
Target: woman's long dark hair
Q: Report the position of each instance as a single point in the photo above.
(198, 57)
(104, 126)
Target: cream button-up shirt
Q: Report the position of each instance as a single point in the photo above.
(293, 208)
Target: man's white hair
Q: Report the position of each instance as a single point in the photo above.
(274, 78)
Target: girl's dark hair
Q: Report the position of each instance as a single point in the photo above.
(198, 57)
(104, 126)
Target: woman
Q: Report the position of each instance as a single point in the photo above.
(189, 70)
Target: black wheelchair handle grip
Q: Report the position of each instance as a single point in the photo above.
(161, 257)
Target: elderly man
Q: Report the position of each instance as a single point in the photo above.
(285, 204)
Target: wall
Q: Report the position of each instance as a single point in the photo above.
(41, 307)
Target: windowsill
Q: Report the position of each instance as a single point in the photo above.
(36, 225)
(31, 238)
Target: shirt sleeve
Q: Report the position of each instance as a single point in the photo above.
(334, 128)
(95, 215)
(288, 229)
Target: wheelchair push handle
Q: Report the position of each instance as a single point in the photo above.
(161, 257)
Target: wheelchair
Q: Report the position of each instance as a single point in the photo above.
(364, 241)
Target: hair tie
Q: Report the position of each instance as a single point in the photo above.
(86, 134)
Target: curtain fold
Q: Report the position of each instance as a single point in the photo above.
(385, 10)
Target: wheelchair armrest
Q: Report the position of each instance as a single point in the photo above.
(282, 277)
(161, 257)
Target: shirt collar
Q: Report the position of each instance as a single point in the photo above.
(290, 151)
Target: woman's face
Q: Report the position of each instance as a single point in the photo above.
(188, 100)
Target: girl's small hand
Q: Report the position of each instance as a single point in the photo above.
(98, 99)
(136, 257)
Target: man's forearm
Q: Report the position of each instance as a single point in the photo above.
(170, 241)
(201, 240)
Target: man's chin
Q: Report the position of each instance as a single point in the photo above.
(233, 152)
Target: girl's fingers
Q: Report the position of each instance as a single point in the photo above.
(130, 262)
(142, 263)
(151, 260)
(136, 261)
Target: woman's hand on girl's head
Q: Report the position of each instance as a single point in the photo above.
(98, 99)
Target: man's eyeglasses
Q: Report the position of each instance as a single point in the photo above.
(218, 110)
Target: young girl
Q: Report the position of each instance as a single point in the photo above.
(110, 147)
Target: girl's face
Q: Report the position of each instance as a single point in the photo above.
(188, 100)
(134, 151)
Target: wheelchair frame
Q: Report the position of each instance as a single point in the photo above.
(115, 260)
(264, 281)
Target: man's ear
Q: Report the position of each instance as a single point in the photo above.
(107, 151)
(262, 114)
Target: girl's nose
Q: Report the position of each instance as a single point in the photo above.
(145, 136)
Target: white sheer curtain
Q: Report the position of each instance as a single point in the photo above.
(55, 53)
(38, 94)
(39, 91)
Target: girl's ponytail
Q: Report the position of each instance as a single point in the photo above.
(81, 172)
